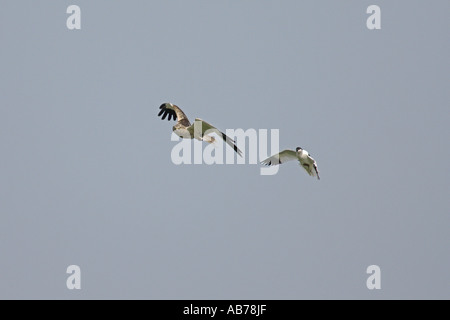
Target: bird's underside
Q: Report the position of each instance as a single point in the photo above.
(305, 161)
(200, 130)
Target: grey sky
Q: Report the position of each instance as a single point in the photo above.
(86, 176)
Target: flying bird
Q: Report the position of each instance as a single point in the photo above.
(305, 159)
(184, 129)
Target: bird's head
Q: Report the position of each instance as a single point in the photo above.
(298, 149)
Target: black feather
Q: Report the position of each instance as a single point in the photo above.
(167, 112)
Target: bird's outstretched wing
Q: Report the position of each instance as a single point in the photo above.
(279, 158)
(310, 166)
(173, 111)
(201, 127)
(316, 171)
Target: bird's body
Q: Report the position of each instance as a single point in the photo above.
(200, 130)
(303, 157)
(182, 131)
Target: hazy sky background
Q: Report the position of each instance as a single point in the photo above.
(86, 176)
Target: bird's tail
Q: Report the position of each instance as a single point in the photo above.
(231, 143)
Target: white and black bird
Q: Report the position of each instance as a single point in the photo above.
(305, 159)
(184, 129)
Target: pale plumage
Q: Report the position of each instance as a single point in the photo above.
(303, 157)
(184, 129)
